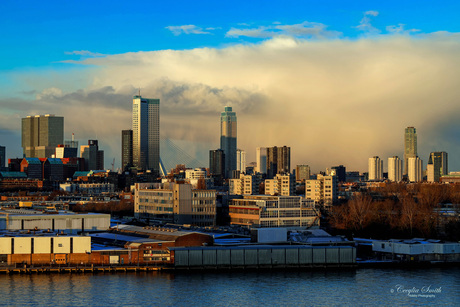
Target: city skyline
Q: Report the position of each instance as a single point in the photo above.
(325, 70)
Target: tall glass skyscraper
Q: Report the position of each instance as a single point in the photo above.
(228, 139)
(146, 133)
(410, 146)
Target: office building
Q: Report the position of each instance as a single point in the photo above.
(146, 134)
(126, 149)
(65, 152)
(228, 142)
(394, 169)
(240, 160)
(217, 165)
(273, 211)
(2, 158)
(415, 166)
(302, 173)
(41, 134)
(375, 168)
(94, 158)
(322, 190)
(175, 203)
(278, 161)
(410, 146)
(437, 166)
(341, 172)
(261, 160)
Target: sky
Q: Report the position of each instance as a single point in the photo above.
(337, 81)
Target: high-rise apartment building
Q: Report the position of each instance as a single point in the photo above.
(41, 134)
(146, 134)
(282, 184)
(241, 160)
(394, 169)
(415, 166)
(437, 166)
(375, 168)
(261, 160)
(126, 148)
(410, 146)
(228, 142)
(278, 161)
(302, 173)
(217, 165)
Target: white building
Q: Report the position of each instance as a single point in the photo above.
(375, 168)
(415, 169)
(395, 169)
(245, 185)
(283, 185)
(261, 160)
(241, 160)
(197, 173)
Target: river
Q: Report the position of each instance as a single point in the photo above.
(433, 286)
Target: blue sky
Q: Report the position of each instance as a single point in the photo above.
(58, 56)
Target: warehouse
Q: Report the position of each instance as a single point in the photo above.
(67, 222)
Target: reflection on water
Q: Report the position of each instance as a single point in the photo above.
(364, 286)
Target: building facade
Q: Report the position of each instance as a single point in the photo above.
(261, 160)
(375, 168)
(126, 149)
(94, 158)
(282, 184)
(176, 203)
(322, 190)
(245, 185)
(217, 165)
(415, 167)
(278, 161)
(2, 158)
(437, 166)
(395, 169)
(241, 160)
(146, 133)
(302, 173)
(228, 139)
(273, 211)
(41, 134)
(410, 146)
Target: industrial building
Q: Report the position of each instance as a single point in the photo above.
(68, 222)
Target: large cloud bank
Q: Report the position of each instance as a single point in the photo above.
(333, 101)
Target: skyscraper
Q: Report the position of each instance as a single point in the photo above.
(410, 146)
(94, 158)
(217, 165)
(146, 133)
(41, 134)
(261, 160)
(278, 161)
(375, 168)
(437, 166)
(126, 148)
(394, 169)
(2, 157)
(414, 169)
(228, 142)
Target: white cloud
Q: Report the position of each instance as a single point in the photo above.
(84, 53)
(304, 29)
(187, 29)
(335, 101)
(399, 29)
(365, 23)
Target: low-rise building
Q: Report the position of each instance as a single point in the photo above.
(273, 211)
(174, 202)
